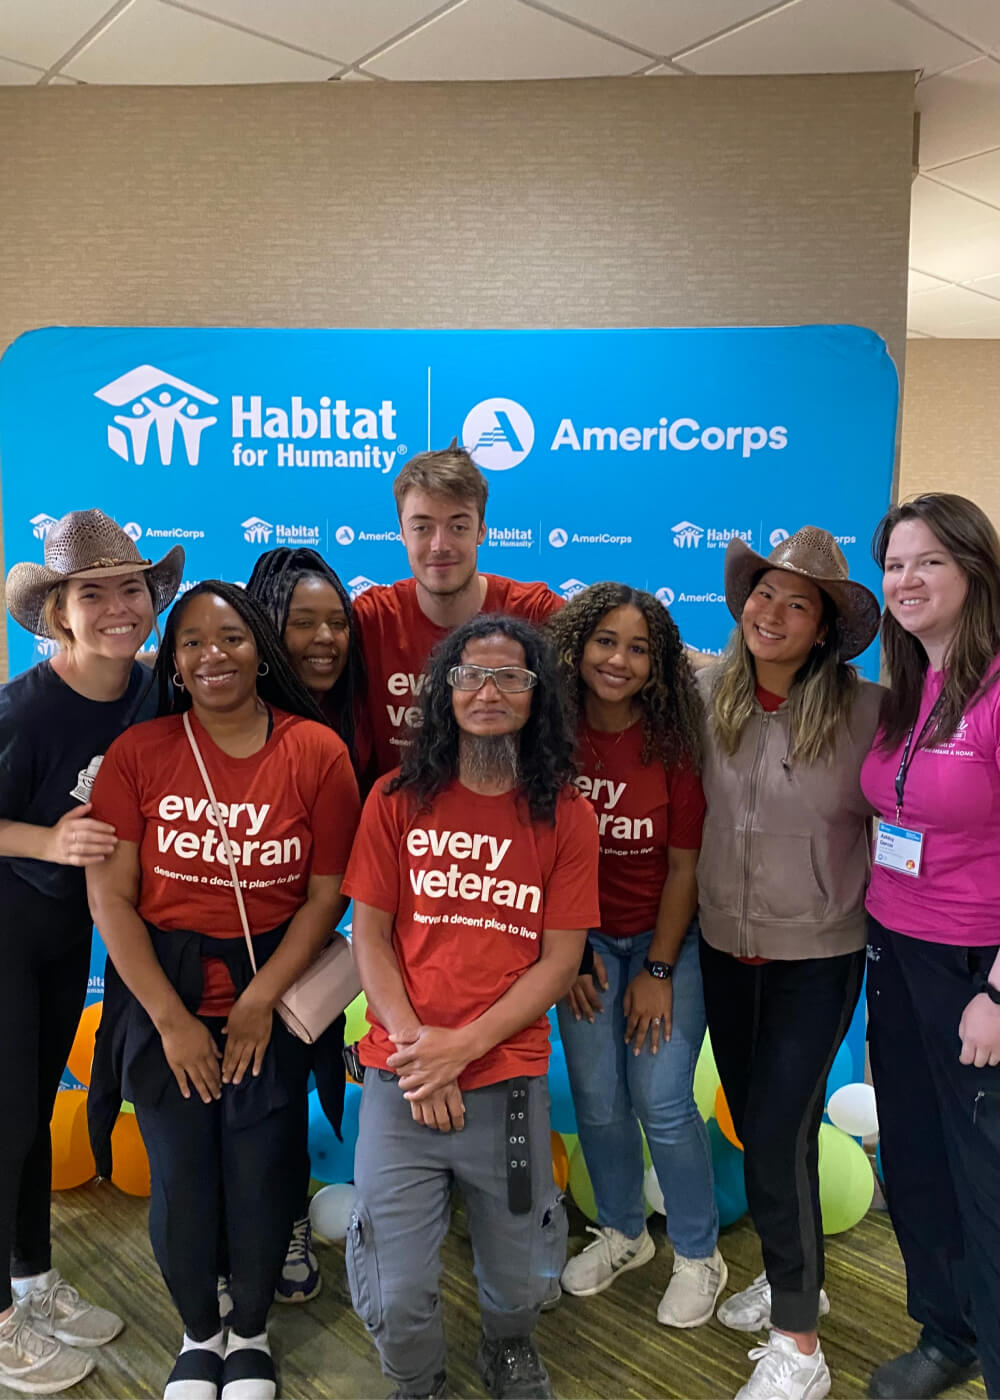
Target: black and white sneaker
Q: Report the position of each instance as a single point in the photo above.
(512, 1369)
(197, 1375)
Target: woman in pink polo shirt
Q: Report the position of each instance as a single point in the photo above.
(933, 777)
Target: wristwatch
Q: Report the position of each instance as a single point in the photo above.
(985, 985)
(662, 970)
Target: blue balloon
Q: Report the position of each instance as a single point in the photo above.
(841, 1073)
(554, 1025)
(333, 1160)
(563, 1108)
(727, 1168)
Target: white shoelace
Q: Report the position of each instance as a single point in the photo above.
(59, 1292)
(778, 1366)
(25, 1341)
(298, 1245)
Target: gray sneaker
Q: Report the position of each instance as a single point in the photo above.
(612, 1253)
(750, 1310)
(56, 1308)
(34, 1363)
(693, 1291)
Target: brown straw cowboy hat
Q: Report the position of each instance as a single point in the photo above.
(87, 544)
(813, 554)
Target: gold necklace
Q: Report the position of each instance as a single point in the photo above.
(598, 761)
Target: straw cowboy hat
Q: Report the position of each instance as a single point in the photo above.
(87, 544)
(813, 554)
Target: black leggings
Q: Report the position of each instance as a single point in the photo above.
(225, 1192)
(775, 1030)
(44, 966)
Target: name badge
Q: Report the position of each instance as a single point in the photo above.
(898, 848)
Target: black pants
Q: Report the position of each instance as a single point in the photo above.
(224, 1191)
(44, 965)
(775, 1030)
(939, 1122)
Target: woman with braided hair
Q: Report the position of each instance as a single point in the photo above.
(634, 1021)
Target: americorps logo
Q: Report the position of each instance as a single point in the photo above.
(777, 537)
(666, 596)
(41, 525)
(558, 538)
(155, 399)
(570, 587)
(498, 434)
(133, 530)
(360, 584)
(344, 534)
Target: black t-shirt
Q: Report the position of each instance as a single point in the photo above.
(51, 742)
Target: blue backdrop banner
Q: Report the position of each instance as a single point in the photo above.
(633, 455)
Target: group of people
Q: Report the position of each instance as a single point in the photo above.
(564, 807)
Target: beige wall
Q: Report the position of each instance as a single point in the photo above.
(611, 202)
(951, 421)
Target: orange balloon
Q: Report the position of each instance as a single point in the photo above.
(130, 1164)
(560, 1162)
(725, 1119)
(81, 1057)
(72, 1160)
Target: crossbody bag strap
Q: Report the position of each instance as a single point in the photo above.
(223, 836)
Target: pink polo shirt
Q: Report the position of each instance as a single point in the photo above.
(953, 797)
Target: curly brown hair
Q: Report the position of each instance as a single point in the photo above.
(672, 713)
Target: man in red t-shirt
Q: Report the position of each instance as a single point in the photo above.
(441, 501)
(474, 880)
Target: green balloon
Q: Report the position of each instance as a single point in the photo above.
(579, 1183)
(706, 1080)
(357, 1025)
(846, 1180)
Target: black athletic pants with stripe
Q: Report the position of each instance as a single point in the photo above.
(775, 1030)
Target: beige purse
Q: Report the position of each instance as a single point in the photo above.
(316, 998)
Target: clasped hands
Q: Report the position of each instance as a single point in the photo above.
(428, 1062)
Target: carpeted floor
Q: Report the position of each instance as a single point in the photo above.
(609, 1346)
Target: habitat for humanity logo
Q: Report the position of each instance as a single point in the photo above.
(41, 525)
(359, 585)
(689, 536)
(570, 587)
(257, 531)
(155, 399)
(498, 434)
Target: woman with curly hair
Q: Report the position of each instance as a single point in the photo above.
(474, 880)
(634, 1021)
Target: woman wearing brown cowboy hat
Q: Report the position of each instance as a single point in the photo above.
(98, 599)
(781, 880)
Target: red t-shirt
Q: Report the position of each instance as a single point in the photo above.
(291, 810)
(397, 638)
(472, 884)
(642, 810)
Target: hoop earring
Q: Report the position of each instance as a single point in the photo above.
(178, 683)
(263, 669)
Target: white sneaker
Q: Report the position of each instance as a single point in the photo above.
(693, 1291)
(56, 1309)
(783, 1373)
(750, 1310)
(595, 1268)
(35, 1363)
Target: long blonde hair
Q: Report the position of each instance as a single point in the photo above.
(819, 701)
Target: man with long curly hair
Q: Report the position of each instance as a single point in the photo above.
(474, 880)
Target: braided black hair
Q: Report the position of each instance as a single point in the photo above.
(280, 685)
(272, 583)
(546, 744)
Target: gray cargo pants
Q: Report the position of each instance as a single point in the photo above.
(404, 1173)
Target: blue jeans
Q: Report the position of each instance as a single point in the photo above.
(615, 1090)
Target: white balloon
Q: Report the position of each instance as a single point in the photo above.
(651, 1190)
(852, 1108)
(331, 1209)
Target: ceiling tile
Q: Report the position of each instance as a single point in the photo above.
(661, 70)
(956, 312)
(659, 28)
(911, 334)
(959, 113)
(920, 282)
(12, 73)
(979, 176)
(341, 29)
(832, 36)
(490, 39)
(41, 31)
(353, 76)
(154, 43)
(988, 286)
(952, 236)
(976, 20)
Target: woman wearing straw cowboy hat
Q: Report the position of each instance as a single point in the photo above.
(98, 599)
(781, 880)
